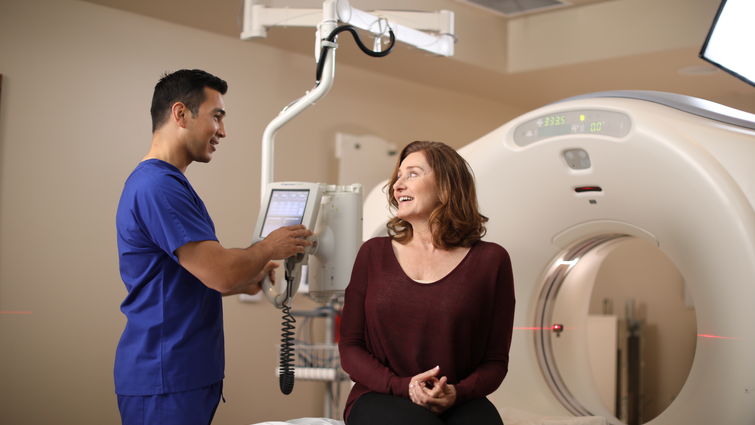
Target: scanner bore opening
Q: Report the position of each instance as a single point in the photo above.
(563, 385)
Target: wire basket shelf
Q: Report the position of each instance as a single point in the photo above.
(317, 362)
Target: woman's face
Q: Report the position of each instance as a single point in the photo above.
(415, 190)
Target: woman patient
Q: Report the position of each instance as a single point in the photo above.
(429, 310)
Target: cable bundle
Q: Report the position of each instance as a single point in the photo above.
(350, 28)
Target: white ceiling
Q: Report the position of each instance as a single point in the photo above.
(487, 63)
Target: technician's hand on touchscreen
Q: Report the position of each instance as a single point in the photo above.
(287, 241)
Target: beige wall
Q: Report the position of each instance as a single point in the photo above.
(74, 121)
(592, 32)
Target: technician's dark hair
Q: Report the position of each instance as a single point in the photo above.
(185, 86)
(456, 221)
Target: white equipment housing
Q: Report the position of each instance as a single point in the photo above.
(286, 204)
(335, 214)
(338, 233)
(674, 170)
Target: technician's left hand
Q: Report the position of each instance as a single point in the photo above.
(267, 271)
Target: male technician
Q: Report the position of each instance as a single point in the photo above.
(170, 359)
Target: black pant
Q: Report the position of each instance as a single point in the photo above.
(384, 409)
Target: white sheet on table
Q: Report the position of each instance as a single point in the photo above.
(304, 421)
(510, 416)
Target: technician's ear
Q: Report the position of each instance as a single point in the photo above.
(178, 113)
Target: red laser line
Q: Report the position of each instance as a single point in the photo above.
(531, 328)
(715, 336)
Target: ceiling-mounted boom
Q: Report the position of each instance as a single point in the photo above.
(429, 31)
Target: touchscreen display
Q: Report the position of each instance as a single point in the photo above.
(286, 208)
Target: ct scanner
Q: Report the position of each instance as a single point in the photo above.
(570, 177)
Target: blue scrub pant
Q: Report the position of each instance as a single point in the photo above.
(194, 407)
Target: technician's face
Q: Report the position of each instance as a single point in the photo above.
(415, 190)
(207, 128)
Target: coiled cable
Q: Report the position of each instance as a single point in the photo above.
(286, 370)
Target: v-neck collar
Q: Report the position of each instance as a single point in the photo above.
(397, 264)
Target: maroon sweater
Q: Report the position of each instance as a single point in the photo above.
(394, 327)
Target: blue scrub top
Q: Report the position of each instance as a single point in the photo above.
(173, 340)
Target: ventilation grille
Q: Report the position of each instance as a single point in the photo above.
(515, 7)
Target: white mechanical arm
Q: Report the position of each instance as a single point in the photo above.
(430, 31)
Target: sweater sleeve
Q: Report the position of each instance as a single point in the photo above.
(489, 374)
(356, 359)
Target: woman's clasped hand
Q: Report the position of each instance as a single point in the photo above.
(431, 392)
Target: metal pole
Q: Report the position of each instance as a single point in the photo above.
(329, 22)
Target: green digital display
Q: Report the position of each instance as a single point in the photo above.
(554, 120)
(589, 121)
(596, 126)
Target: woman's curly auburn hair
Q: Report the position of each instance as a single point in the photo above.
(456, 221)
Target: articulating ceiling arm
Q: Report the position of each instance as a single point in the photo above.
(407, 27)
